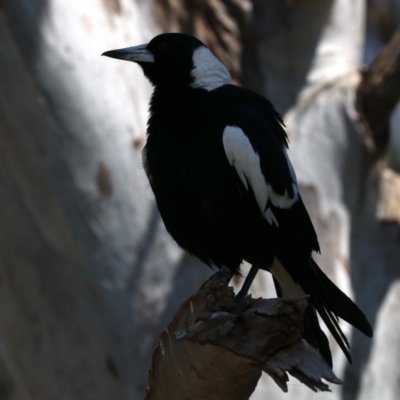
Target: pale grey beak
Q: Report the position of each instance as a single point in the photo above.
(138, 54)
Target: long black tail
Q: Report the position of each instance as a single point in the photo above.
(325, 297)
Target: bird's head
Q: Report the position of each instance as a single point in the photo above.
(175, 59)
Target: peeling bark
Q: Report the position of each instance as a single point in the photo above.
(379, 93)
(215, 348)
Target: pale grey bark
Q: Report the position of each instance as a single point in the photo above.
(306, 59)
(382, 378)
(87, 269)
(88, 275)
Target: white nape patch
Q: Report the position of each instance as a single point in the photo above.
(288, 286)
(241, 155)
(208, 72)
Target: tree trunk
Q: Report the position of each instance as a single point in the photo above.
(216, 348)
(88, 275)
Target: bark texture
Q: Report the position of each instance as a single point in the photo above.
(382, 379)
(379, 93)
(215, 348)
(306, 57)
(87, 271)
(88, 275)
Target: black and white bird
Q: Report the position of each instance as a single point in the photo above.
(216, 158)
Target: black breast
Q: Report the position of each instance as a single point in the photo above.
(200, 198)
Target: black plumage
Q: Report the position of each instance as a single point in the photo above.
(216, 160)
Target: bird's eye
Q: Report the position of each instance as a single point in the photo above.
(162, 46)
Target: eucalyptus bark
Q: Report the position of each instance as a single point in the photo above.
(379, 93)
(87, 272)
(216, 348)
(88, 275)
(306, 58)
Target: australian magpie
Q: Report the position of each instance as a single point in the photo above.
(216, 158)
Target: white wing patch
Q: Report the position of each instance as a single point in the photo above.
(208, 72)
(246, 161)
(284, 201)
(241, 155)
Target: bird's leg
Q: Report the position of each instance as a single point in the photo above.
(247, 283)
